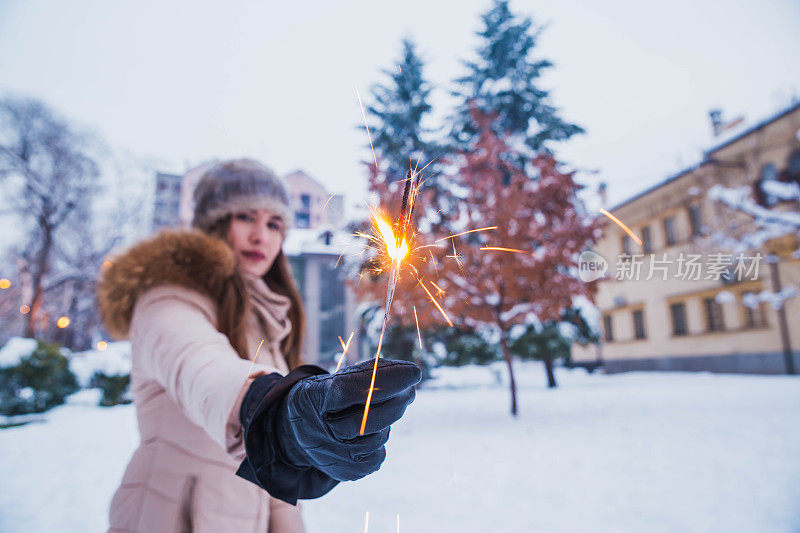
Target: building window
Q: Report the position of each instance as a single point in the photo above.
(305, 201)
(769, 172)
(793, 167)
(714, 319)
(647, 243)
(678, 312)
(638, 324)
(626, 244)
(608, 327)
(669, 230)
(755, 316)
(302, 220)
(696, 220)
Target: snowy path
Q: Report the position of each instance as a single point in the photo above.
(633, 452)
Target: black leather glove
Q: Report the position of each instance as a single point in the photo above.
(302, 431)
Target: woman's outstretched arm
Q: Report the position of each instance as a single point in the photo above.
(176, 344)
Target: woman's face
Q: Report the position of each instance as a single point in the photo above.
(256, 237)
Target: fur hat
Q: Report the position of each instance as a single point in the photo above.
(238, 185)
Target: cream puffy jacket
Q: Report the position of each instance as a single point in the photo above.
(187, 384)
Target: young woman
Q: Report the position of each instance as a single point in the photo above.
(228, 444)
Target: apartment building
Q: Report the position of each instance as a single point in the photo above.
(693, 295)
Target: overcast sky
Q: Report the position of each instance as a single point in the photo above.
(189, 81)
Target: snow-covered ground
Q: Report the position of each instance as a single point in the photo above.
(629, 452)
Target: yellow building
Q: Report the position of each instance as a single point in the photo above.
(678, 301)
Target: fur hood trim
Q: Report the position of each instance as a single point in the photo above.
(189, 258)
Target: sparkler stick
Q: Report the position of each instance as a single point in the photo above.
(405, 218)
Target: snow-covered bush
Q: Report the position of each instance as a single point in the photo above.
(459, 347)
(108, 370)
(36, 381)
(114, 388)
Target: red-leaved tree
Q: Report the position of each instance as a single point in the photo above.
(537, 217)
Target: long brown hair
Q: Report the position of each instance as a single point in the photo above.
(233, 305)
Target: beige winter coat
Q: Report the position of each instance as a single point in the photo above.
(188, 384)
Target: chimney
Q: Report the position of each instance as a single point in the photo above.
(716, 121)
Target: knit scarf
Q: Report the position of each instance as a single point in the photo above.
(270, 308)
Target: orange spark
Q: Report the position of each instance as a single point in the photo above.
(328, 200)
(345, 347)
(426, 166)
(371, 385)
(63, 322)
(374, 158)
(102, 345)
(456, 257)
(622, 225)
(4, 283)
(439, 289)
(414, 170)
(500, 249)
(419, 336)
(439, 307)
(254, 358)
(465, 232)
(427, 246)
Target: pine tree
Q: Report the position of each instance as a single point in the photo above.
(401, 142)
(542, 343)
(504, 79)
(539, 220)
(396, 115)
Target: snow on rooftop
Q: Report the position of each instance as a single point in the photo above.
(313, 241)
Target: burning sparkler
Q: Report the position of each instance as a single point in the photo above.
(394, 241)
(397, 250)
